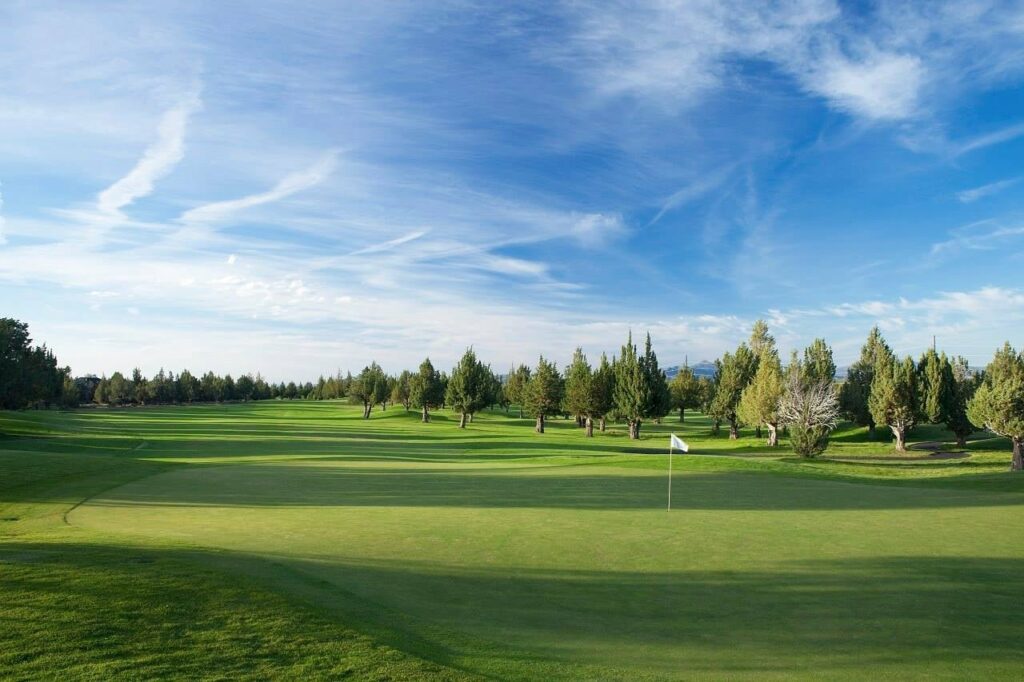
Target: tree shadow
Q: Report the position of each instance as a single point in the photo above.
(873, 617)
(540, 486)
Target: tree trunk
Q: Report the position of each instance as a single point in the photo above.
(540, 424)
(1018, 455)
(462, 420)
(757, 431)
(603, 423)
(734, 430)
(900, 434)
(773, 435)
(520, 412)
(366, 410)
(716, 427)
(470, 417)
(961, 441)
(871, 430)
(426, 415)
(681, 416)
(590, 427)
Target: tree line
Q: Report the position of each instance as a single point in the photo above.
(751, 387)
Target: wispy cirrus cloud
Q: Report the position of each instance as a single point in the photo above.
(970, 195)
(287, 186)
(158, 160)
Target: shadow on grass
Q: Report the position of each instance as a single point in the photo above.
(907, 615)
(297, 485)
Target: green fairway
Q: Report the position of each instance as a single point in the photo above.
(296, 539)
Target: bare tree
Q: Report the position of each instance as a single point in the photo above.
(810, 410)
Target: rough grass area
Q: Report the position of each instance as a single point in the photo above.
(296, 540)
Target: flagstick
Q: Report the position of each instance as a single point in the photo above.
(669, 478)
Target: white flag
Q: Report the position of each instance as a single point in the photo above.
(680, 445)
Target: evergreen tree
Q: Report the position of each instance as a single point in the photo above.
(965, 383)
(935, 386)
(685, 391)
(401, 392)
(737, 370)
(544, 392)
(856, 390)
(759, 402)
(894, 399)
(809, 410)
(998, 403)
(579, 378)
(468, 386)
(515, 386)
(602, 388)
(818, 366)
(368, 387)
(425, 389)
(244, 387)
(641, 390)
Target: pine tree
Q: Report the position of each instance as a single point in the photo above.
(894, 397)
(544, 392)
(998, 404)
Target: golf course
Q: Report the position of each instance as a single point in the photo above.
(297, 539)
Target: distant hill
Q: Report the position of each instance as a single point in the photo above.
(700, 369)
(707, 369)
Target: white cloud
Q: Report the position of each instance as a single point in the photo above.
(232, 259)
(389, 244)
(157, 161)
(969, 195)
(3, 221)
(882, 86)
(287, 186)
(597, 229)
(980, 236)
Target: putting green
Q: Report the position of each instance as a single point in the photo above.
(527, 570)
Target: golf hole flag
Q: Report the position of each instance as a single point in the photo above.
(674, 443)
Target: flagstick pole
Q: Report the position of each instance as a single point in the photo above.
(669, 478)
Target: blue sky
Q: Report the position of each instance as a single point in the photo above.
(294, 187)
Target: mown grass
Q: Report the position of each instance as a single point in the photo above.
(297, 540)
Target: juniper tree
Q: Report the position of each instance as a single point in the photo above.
(641, 391)
(368, 388)
(935, 386)
(856, 390)
(818, 366)
(515, 386)
(468, 387)
(579, 379)
(425, 389)
(998, 404)
(685, 391)
(544, 392)
(401, 391)
(965, 383)
(736, 371)
(759, 402)
(603, 391)
(894, 397)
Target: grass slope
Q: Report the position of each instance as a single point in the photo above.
(297, 540)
